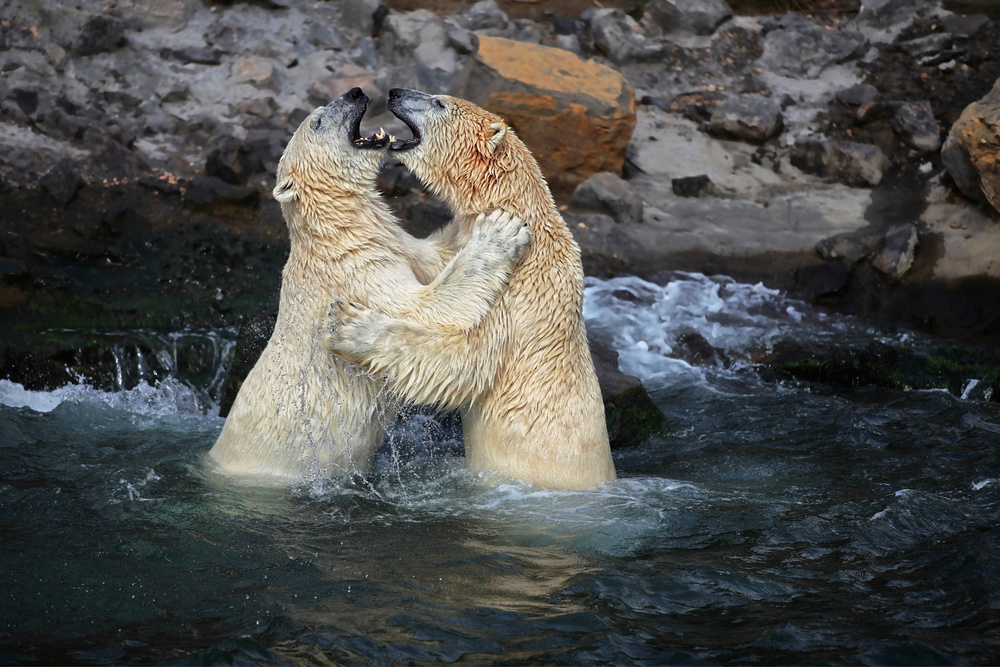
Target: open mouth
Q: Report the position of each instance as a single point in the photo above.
(378, 140)
(396, 144)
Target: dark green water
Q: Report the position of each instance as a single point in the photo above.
(767, 523)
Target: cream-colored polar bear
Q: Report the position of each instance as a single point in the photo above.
(524, 379)
(301, 411)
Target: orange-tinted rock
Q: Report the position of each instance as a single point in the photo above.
(575, 115)
(972, 151)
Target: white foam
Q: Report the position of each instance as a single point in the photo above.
(166, 397)
(642, 320)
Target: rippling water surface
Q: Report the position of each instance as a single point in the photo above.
(767, 523)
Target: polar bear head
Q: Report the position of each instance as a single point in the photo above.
(465, 154)
(327, 158)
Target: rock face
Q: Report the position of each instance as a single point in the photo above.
(972, 150)
(686, 17)
(576, 116)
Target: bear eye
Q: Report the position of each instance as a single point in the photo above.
(440, 104)
(317, 123)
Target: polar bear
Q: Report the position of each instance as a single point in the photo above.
(302, 412)
(524, 379)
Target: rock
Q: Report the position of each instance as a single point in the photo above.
(483, 15)
(898, 248)
(204, 55)
(365, 16)
(537, 88)
(692, 186)
(232, 161)
(630, 413)
(887, 13)
(325, 89)
(100, 34)
(862, 93)
(257, 71)
(324, 37)
(821, 280)
(618, 37)
(851, 247)
(747, 117)
(970, 152)
(915, 124)
(61, 182)
(926, 45)
(423, 38)
(168, 14)
(686, 17)
(569, 43)
(847, 162)
(608, 193)
(965, 26)
(804, 52)
(207, 191)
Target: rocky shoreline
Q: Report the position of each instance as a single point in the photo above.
(843, 157)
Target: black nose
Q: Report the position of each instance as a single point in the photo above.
(353, 94)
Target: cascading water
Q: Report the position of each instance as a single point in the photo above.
(770, 522)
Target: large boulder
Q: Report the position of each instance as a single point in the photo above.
(970, 152)
(576, 116)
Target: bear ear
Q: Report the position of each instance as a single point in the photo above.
(285, 190)
(499, 133)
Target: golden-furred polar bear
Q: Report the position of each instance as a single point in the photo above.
(524, 378)
(301, 411)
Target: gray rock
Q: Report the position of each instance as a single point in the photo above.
(926, 45)
(608, 193)
(862, 93)
(420, 37)
(698, 17)
(692, 186)
(959, 165)
(100, 34)
(915, 124)
(365, 16)
(323, 36)
(230, 160)
(812, 282)
(61, 182)
(747, 117)
(484, 15)
(568, 43)
(898, 250)
(847, 162)
(965, 26)
(617, 36)
(803, 52)
(851, 247)
(887, 13)
(204, 55)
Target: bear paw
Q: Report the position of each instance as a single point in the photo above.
(352, 330)
(503, 230)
